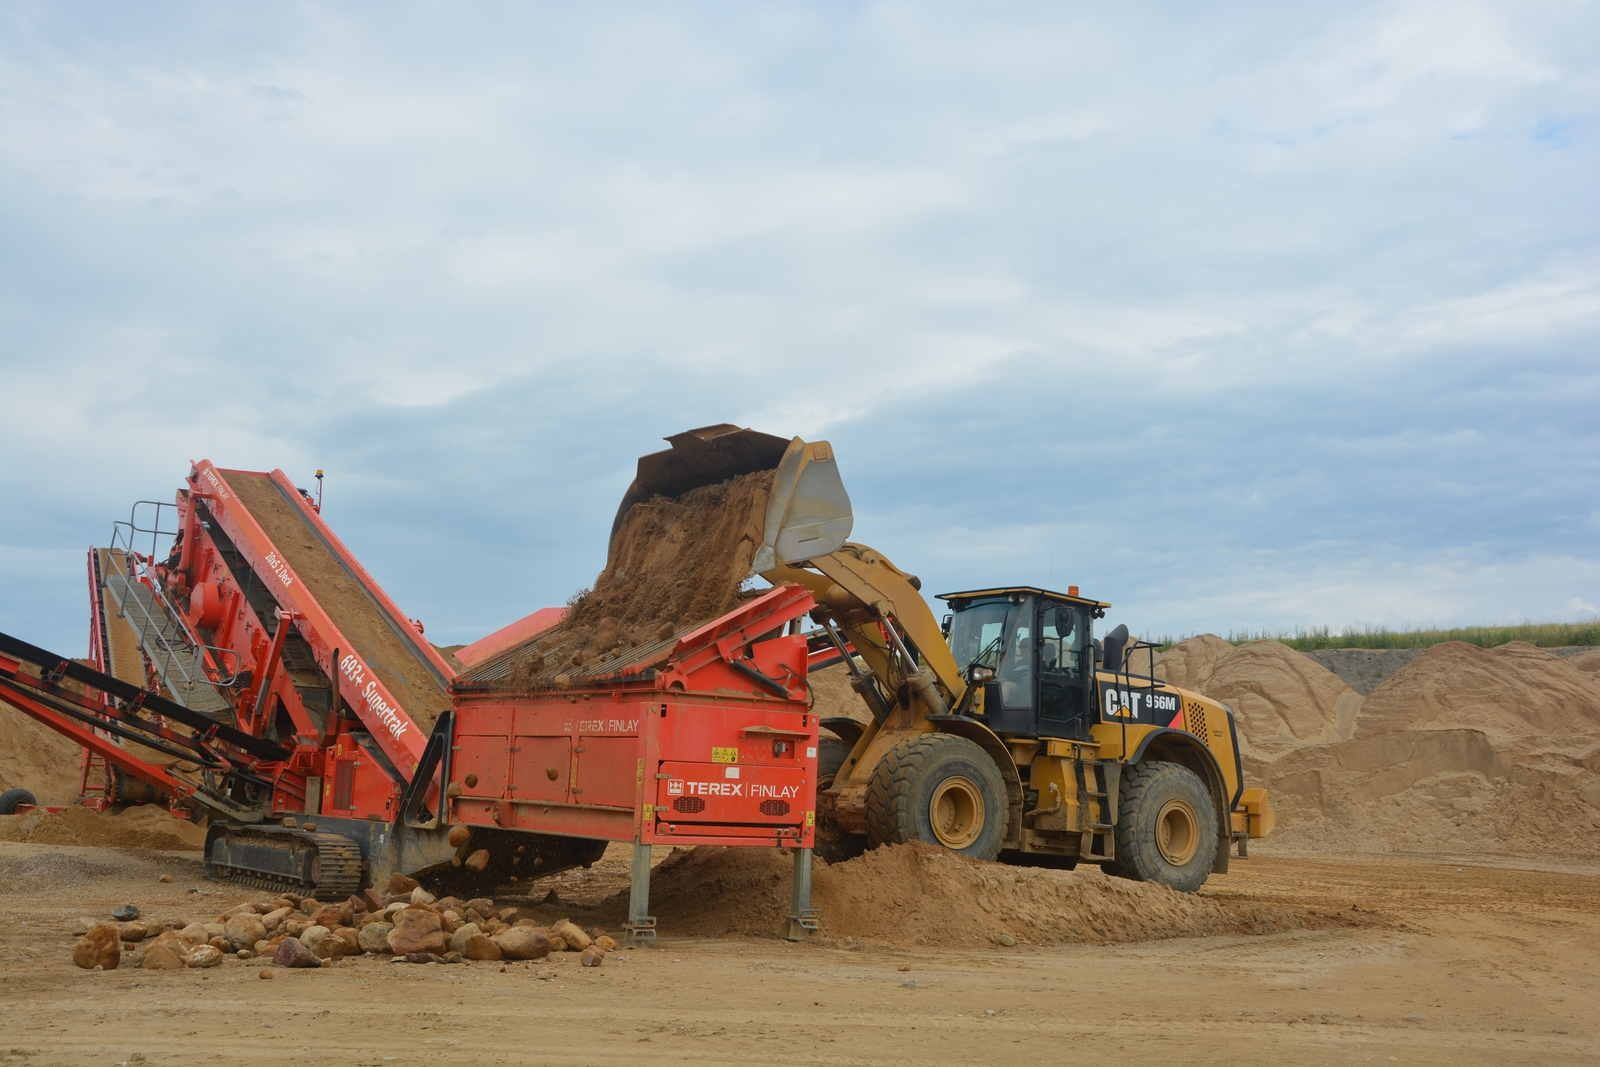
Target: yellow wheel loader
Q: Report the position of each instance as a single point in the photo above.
(1006, 732)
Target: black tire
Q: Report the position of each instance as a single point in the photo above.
(834, 845)
(12, 799)
(952, 770)
(1158, 798)
(831, 754)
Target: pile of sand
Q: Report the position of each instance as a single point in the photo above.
(1462, 750)
(672, 563)
(832, 697)
(36, 758)
(144, 826)
(921, 895)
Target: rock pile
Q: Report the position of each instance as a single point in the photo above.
(406, 923)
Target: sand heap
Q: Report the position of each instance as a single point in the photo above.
(143, 826)
(1463, 749)
(672, 563)
(36, 758)
(921, 895)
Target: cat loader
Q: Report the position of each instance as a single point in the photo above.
(1005, 732)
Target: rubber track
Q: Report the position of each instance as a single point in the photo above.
(338, 861)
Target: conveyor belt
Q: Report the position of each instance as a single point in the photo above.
(388, 645)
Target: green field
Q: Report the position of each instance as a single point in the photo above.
(1544, 634)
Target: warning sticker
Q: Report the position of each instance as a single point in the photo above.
(724, 755)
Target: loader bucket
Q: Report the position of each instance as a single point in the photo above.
(808, 513)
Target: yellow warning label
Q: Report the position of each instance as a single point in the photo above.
(649, 811)
(811, 818)
(724, 755)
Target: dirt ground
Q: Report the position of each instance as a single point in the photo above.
(1480, 962)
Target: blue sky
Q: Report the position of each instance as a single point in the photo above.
(1274, 315)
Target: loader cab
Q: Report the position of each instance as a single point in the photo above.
(1030, 653)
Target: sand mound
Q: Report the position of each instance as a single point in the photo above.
(832, 696)
(36, 758)
(1283, 700)
(919, 895)
(1463, 749)
(673, 562)
(1586, 661)
(1516, 694)
(145, 826)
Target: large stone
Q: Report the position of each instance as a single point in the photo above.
(400, 883)
(168, 953)
(480, 947)
(420, 895)
(477, 861)
(346, 941)
(274, 918)
(482, 905)
(125, 913)
(203, 956)
(458, 937)
(313, 936)
(523, 943)
(244, 930)
(593, 956)
(294, 925)
(451, 920)
(292, 952)
(374, 937)
(133, 931)
(573, 934)
(416, 930)
(458, 836)
(99, 947)
(605, 942)
(195, 934)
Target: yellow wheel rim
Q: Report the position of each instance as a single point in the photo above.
(956, 813)
(1177, 832)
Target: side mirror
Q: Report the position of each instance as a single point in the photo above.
(944, 624)
(977, 674)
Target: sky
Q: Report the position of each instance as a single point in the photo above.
(1259, 317)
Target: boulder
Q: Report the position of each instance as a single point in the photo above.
(480, 947)
(605, 942)
(482, 905)
(458, 936)
(169, 953)
(523, 943)
(451, 921)
(274, 918)
(593, 956)
(99, 947)
(124, 913)
(400, 883)
(573, 934)
(294, 925)
(416, 929)
(203, 956)
(292, 952)
(313, 936)
(244, 930)
(477, 861)
(374, 937)
(195, 934)
(458, 836)
(133, 931)
(420, 895)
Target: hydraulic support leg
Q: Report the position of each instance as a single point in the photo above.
(640, 928)
(802, 916)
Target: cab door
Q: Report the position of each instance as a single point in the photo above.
(1064, 669)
